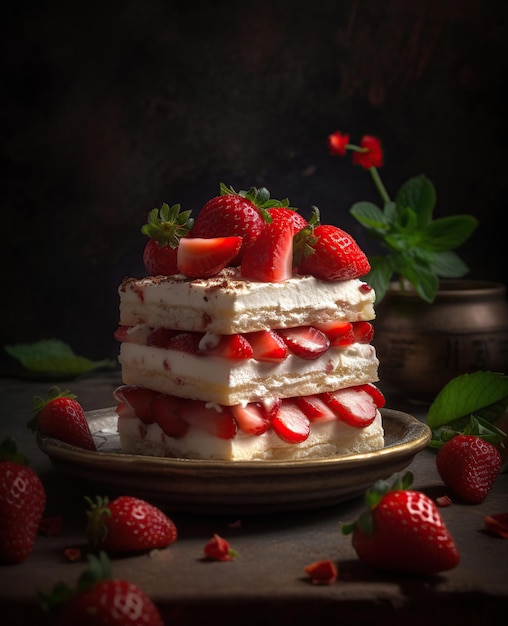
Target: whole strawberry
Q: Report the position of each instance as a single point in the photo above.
(128, 524)
(469, 465)
(100, 600)
(22, 502)
(402, 531)
(335, 256)
(242, 214)
(165, 227)
(61, 416)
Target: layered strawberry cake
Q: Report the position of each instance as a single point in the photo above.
(250, 337)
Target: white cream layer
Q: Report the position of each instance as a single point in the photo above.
(226, 304)
(326, 439)
(223, 381)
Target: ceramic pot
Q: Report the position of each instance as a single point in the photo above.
(422, 346)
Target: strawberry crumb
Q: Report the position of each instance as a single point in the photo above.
(322, 572)
(497, 524)
(443, 501)
(236, 524)
(50, 526)
(72, 554)
(218, 549)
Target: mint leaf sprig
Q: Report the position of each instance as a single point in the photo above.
(469, 404)
(419, 248)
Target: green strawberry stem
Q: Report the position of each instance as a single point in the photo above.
(39, 403)
(96, 529)
(372, 498)
(98, 569)
(9, 452)
(168, 225)
(260, 198)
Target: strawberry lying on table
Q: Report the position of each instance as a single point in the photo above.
(402, 531)
(99, 599)
(22, 503)
(128, 524)
(61, 416)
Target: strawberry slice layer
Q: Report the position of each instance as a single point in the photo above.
(353, 406)
(290, 422)
(306, 342)
(139, 400)
(252, 418)
(290, 418)
(267, 345)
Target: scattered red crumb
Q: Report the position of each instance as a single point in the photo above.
(235, 524)
(443, 501)
(218, 549)
(50, 526)
(72, 554)
(322, 572)
(498, 524)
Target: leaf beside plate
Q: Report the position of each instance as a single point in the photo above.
(55, 356)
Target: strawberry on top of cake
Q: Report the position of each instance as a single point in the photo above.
(250, 339)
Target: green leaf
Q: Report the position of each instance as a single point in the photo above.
(419, 194)
(379, 276)
(467, 394)
(54, 356)
(420, 274)
(447, 233)
(369, 215)
(449, 265)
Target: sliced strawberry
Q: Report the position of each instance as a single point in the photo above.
(242, 213)
(139, 399)
(252, 418)
(353, 406)
(165, 410)
(339, 333)
(270, 257)
(202, 258)
(363, 332)
(185, 342)
(132, 334)
(267, 345)
(306, 342)
(232, 347)
(316, 409)
(377, 395)
(125, 411)
(218, 421)
(160, 337)
(290, 422)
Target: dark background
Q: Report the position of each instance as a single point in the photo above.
(110, 108)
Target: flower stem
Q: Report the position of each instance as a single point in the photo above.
(379, 184)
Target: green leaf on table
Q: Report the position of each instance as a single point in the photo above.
(467, 394)
(54, 356)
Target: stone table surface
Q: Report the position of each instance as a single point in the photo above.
(266, 583)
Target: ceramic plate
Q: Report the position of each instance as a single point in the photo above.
(242, 487)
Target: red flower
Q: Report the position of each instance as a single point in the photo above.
(373, 155)
(219, 549)
(322, 572)
(337, 143)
